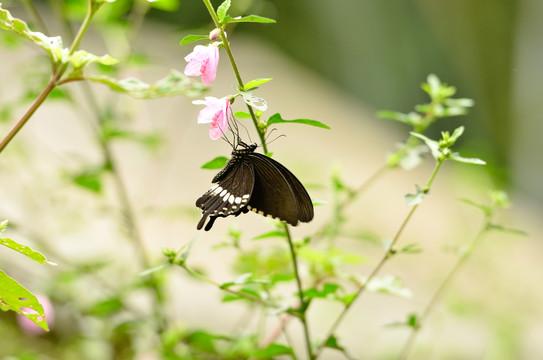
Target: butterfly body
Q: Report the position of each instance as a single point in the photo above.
(253, 181)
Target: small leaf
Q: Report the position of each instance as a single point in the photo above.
(107, 307)
(411, 249)
(23, 249)
(277, 119)
(432, 144)
(89, 179)
(81, 58)
(332, 343)
(173, 84)
(392, 285)
(14, 296)
(272, 351)
(249, 18)
(222, 10)
(164, 5)
(192, 38)
(456, 157)
(273, 233)
(414, 199)
(52, 45)
(254, 83)
(242, 115)
(457, 133)
(217, 163)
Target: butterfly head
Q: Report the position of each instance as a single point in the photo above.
(244, 148)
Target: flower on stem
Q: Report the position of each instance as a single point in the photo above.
(203, 61)
(217, 112)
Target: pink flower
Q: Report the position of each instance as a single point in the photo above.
(217, 112)
(203, 61)
(27, 325)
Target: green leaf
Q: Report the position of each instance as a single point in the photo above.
(456, 134)
(89, 179)
(456, 157)
(14, 296)
(164, 5)
(192, 38)
(245, 290)
(52, 45)
(411, 249)
(254, 83)
(23, 249)
(107, 307)
(416, 198)
(217, 163)
(277, 119)
(411, 118)
(249, 18)
(392, 285)
(222, 10)
(242, 115)
(81, 58)
(327, 290)
(332, 343)
(173, 84)
(273, 233)
(432, 144)
(271, 351)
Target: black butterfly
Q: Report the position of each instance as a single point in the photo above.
(253, 181)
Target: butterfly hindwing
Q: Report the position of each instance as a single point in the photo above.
(230, 194)
(278, 193)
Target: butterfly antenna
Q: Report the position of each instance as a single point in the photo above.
(269, 134)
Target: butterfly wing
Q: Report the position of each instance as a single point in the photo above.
(277, 192)
(230, 193)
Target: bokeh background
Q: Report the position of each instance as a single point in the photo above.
(334, 61)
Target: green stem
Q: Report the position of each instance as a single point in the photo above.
(28, 114)
(303, 309)
(442, 289)
(386, 256)
(226, 45)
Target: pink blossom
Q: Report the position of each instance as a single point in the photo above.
(216, 112)
(203, 61)
(27, 325)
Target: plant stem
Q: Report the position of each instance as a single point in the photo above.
(28, 114)
(443, 288)
(302, 313)
(226, 45)
(386, 256)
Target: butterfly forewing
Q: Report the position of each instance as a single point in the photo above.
(230, 194)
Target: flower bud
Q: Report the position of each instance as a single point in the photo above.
(214, 34)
